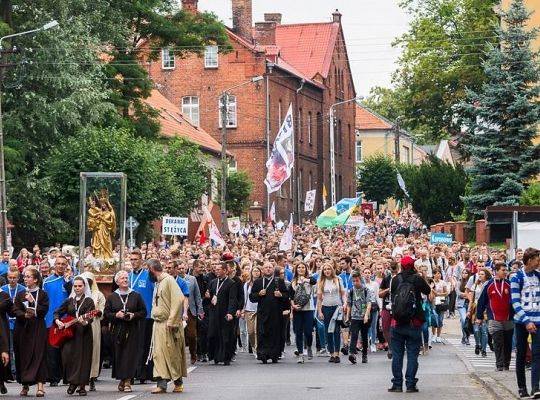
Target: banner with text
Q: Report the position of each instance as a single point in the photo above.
(175, 226)
(281, 161)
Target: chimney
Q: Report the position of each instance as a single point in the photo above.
(337, 16)
(190, 6)
(265, 33)
(273, 17)
(242, 18)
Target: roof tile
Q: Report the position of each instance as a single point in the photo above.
(367, 119)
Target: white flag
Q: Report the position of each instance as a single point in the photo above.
(401, 183)
(281, 161)
(287, 238)
(310, 200)
(215, 235)
(273, 212)
(234, 224)
(362, 230)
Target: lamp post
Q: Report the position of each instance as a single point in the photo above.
(3, 198)
(332, 148)
(224, 104)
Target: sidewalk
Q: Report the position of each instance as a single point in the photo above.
(502, 385)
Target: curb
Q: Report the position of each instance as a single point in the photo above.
(498, 391)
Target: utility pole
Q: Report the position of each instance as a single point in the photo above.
(224, 120)
(397, 128)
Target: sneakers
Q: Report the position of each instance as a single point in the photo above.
(484, 354)
(364, 359)
(373, 348)
(413, 389)
(345, 350)
(309, 353)
(477, 350)
(523, 392)
(535, 393)
(352, 358)
(322, 353)
(300, 359)
(395, 389)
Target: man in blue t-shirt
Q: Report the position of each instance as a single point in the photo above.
(4, 264)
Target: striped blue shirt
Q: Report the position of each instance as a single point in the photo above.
(526, 297)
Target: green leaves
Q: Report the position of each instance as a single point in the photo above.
(239, 187)
(377, 178)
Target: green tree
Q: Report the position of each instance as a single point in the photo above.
(435, 189)
(442, 55)
(501, 119)
(531, 195)
(377, 178)
(153, 185)
(239, 188)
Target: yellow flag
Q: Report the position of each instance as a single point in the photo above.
(324, 195)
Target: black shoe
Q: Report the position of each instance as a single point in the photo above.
(345, 351)
(92, 387)
(476, 350)
(82, 392)
(364, 359)
(389, 355)
(395, 389)
(499, 368)
(535, 393)
(352, 359)
(296, 353)
(264, 360)
(53, 384)
(331, 359)
(142, 381)
(274, 360)
(523, 392)
(484, 354)
(413, 389)
(3, 388)
(227, 363)
(337, 359)
(71, 389)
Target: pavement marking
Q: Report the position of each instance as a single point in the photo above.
(477, 361)
(191, 369)
(128, 397)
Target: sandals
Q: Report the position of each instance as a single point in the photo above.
(24, 391)
(127, 388)
(121, 386)
(40, 393)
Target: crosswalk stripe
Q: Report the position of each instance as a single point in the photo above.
(476, 360)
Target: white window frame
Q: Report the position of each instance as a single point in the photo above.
(358, 154)
(211, 57)
(188, 109)
(166, 61)
(232, 112)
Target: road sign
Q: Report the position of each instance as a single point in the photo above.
(446, 238)
(132, 223)
(174, 226)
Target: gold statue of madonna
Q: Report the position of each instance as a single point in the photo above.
(102, 224)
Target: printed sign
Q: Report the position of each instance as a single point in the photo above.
(174, 226)
(310, 200)
(445, 238)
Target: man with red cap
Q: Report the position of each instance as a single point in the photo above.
(406, 291)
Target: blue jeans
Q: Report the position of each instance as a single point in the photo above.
(303, 327)
(425, 333)
(481, 335)
(333, 340)
(405, 338)
(521, 352)
(463, 319)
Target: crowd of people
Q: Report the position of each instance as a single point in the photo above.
(342, 292)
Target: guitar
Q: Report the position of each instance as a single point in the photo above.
(57, 336)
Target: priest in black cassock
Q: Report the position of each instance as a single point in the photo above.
(270, 294)
(221, 326)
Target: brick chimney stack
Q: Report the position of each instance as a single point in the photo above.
(273, 17)
(190, 6)
(242, 12)
(336, 16)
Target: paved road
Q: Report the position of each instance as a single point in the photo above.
(442, 376)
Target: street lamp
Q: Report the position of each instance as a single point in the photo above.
(3, 198)
(332, 148)
(224, 99)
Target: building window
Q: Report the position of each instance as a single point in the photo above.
(300, 186)
(231, 112)
(279, 114)
(190, 109)
(211, 59)
(167, 58)
(233, 165)
(309, 138)
(358, 151)
(340, 137)
(406, 155)
(348, 144)
(310, 181)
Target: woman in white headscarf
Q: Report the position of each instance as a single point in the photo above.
(99, 302)
(77, 351)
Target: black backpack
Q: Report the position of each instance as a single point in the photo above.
(404, 302)
(301, 297)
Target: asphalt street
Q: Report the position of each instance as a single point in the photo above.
(442, 376)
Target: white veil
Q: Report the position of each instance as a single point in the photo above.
(87, 290)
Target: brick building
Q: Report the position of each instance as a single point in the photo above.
(305, 65)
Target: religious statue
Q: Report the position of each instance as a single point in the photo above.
(102, 224)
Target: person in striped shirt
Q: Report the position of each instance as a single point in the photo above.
(525, 287)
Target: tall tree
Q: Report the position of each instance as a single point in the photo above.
(442, 56)
(501, 119)
(239, 187)
(377, 178)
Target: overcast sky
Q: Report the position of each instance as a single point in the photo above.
(369, 26)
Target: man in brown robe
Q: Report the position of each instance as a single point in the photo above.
(168, 343)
